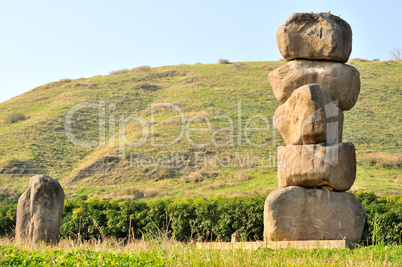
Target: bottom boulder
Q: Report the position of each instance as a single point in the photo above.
(297, 213)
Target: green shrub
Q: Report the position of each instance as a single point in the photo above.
(384, 219)
(182, 219)
(7, 219)
(209, 219)
(15, 117)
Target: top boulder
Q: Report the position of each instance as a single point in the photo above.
(315, 36)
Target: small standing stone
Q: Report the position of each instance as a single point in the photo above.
(39, 211)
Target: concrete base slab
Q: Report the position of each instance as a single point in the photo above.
(304, 244)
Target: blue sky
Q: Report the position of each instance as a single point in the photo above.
(45, 41)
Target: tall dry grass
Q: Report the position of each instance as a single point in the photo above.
(382, 159)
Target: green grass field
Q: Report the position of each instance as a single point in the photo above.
(170, 253)
(39, 144)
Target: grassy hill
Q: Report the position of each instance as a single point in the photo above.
(228, 159)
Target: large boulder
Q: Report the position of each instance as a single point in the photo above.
(315, 36)
(39, 211)
(297, 213)
(309, 116)
(316, 165)
(342, 81)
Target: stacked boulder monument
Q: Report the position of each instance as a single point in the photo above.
(314, 168)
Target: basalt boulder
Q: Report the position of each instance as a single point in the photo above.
(315, 36)
(297, 213)
(316, 166)
(309, 116)
(342, 81)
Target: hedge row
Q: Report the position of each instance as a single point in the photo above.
(208, 219)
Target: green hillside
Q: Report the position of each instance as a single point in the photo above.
(223, 159)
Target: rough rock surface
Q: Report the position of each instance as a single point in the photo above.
(342, 81)
(297, 213)
(317, 165)
(39, 211)
(315, 36)
(309, 117)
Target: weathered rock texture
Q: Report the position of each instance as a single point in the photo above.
(39, 211)
(315, 36)
(342, 81)
(309, 117)
(297, 213)
(317, 165)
